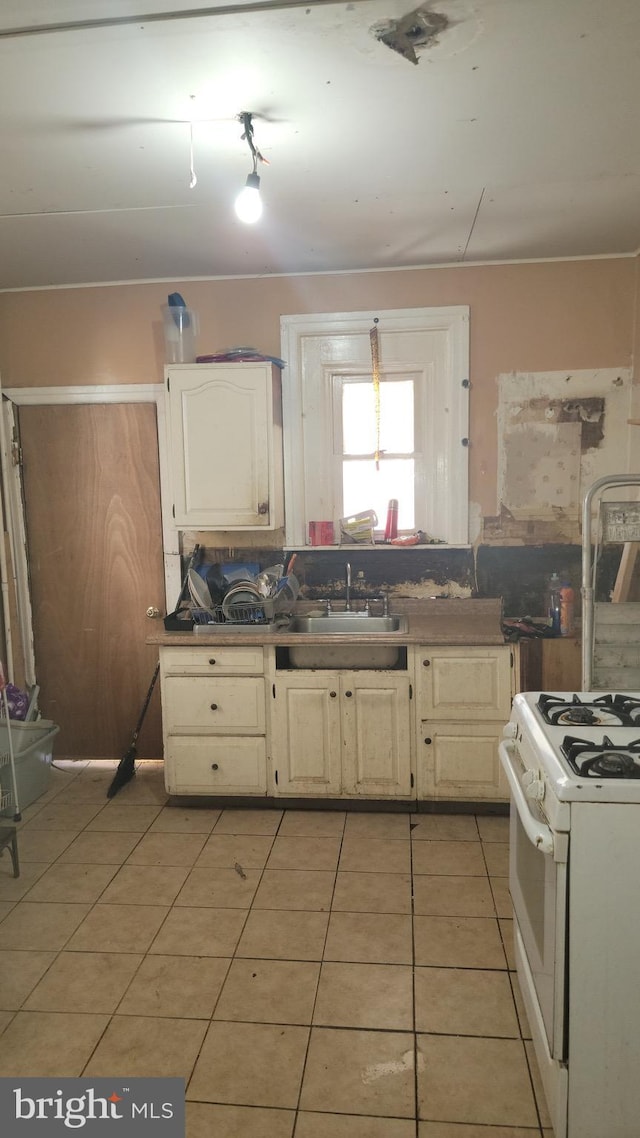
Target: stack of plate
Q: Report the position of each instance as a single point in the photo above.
(241, 601)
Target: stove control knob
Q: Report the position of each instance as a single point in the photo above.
(510, 730)
(533, 785)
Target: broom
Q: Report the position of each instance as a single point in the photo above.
(127, 765)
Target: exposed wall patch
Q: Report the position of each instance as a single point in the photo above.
(557, 433)
(413, 32)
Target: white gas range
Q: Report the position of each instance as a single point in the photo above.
(573, 765)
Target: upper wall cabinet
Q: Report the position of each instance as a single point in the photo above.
(225, 436)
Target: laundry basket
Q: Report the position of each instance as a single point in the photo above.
(32, 755)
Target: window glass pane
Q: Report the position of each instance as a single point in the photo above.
(365, 488)
(359, 417)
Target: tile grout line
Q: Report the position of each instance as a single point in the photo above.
(321, 962)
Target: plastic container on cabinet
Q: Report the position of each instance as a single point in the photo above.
(553, 602)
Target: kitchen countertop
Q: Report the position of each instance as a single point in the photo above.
(435, 621)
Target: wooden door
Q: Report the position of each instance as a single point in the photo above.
(94, 536)
(464, 683)
(377, 734)
(305, 734)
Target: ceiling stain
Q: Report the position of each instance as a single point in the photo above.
(410, 34)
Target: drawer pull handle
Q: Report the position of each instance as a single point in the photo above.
(333, 694)
(348, 694)
(214, 707)
(426, 663)
(427, 740)
(214, 767)
(212, 661)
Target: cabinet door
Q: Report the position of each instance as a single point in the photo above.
(464, 683)
(305, 734)
(460, 760)
(222, 445)
(376, 734)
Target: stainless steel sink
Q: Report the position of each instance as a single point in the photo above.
(346, 654)
(347, 623)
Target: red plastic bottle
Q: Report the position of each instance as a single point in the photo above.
(391, 528)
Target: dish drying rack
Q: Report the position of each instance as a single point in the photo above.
(262, 612)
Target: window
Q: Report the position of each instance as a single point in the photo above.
(330, 420)
(357, 417)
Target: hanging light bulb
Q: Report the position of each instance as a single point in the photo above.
(248, 204)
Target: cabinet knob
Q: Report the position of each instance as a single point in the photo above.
(426, 663)
(333, 694)
(152, 612)
(212, 660)
(214, 767)
(214, 707)
(348, 694)
(263, 508)
(427, 740)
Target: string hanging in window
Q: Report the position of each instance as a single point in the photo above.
(375, 373)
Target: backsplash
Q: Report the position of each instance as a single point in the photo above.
(518, 574)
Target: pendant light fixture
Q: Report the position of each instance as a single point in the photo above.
(248, 204)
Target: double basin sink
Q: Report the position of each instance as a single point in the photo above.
(346, 653)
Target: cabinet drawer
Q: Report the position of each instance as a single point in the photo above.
(212, 661)
(220, 703)
(215, 765)
(464, 683)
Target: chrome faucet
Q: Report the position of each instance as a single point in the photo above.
(347, 575)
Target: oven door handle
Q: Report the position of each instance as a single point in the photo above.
(539, 835)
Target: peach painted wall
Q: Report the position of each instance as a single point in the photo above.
(524, 317)
(635, 410)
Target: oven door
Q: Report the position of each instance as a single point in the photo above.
(537, 882)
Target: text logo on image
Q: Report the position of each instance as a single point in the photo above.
(128, 1108)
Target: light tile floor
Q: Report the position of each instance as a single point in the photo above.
(310, 974)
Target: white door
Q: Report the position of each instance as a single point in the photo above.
(305, 738)
(460, 760)
(222, 446)
(464, 683)
(377, 735)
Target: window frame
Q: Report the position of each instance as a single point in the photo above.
(442, 492)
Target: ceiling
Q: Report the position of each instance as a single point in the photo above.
(514, 135)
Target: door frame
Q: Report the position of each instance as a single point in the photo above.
(14, 498)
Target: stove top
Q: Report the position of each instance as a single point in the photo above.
(605, 759)
(585, 745)
(587, 710)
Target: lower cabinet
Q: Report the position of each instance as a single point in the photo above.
(233, 723)
(213, 720)
(341, 734)
(463, 700)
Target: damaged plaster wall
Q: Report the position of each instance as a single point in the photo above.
(557, 433)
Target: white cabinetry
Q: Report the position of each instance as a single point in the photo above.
(463, 700)
(340, 734)
(225, 438)
(213, 715)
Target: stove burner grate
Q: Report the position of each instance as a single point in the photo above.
(602, 760)
(604, 710)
